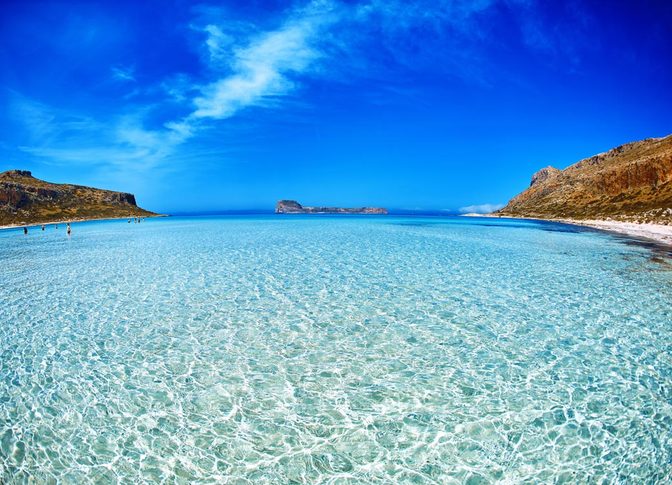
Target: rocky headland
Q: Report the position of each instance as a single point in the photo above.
(627, 189)
(293, 207)
(25, 199)
(630, 183)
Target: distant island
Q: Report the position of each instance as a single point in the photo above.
(630, 183)
(25, 199)
(293, 207)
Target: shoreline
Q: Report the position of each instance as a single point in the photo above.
(85, 219)
(659, 233)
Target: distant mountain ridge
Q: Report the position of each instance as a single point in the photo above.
(293, 207)
(632, 182)
(25, 199)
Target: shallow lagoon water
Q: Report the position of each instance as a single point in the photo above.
(290, 349)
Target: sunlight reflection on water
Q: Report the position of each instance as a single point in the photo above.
(307, 350)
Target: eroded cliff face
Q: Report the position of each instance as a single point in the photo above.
(293, 207)
(25, 200)
(632, 182)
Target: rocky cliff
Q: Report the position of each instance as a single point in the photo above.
(27, 200)
(632, 182)
(293, 207)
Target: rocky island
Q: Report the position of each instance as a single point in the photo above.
(293, 207)
(630, 183)
(25, 199)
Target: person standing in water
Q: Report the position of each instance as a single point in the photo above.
(68, 228)
(25, 230)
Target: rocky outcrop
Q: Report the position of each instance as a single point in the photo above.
(27, 200)
(293, 207)
(543, 175)
(632, 182)
(288, 207)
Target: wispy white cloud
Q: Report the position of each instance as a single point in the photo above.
(480, 208)
(257, 71)
(46, 125)
(243, 68)
(218, 45)
(261, 70)
(179, 88)
(120, 73)
(36, 117)
(67, 138)
(254, 71)
(146, 146)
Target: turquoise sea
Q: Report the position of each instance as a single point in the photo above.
(294, 349)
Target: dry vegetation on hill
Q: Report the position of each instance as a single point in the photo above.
(632, 182)
(27, 200)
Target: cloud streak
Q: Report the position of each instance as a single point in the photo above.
(480, 208)
(271, 64)
(261, 70)
(123, 73)
(245, 69)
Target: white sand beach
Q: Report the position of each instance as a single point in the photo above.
(658, 232)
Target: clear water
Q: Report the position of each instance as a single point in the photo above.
(333, 350)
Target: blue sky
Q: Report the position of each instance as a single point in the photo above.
(417, 105)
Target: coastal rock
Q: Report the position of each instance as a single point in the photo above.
(288, 207)
(632, 182)
(543, 175)
(25, 199)
(293, 207)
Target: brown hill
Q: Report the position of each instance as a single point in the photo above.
(632, 182)
(27, 200)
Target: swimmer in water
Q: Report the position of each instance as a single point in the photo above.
(68, 228)
(25, 230)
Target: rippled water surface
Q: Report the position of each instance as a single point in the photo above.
(333, 350)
